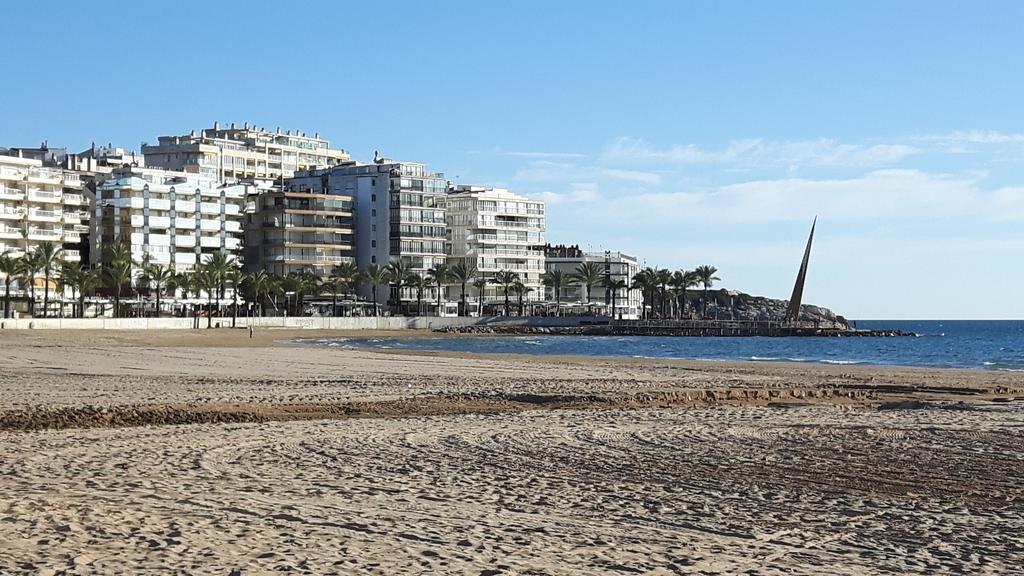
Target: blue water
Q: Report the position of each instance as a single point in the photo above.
(982, 345)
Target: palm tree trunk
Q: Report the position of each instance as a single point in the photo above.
(506, 300)
(81, 304)
(234, 307)
(439, 299)
(375, 311)
(117, 302)
(334, 304)
(7, 298)
(463, 311)
(158, 300)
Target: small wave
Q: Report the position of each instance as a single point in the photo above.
(764, 359)
(842, 362)
(988, 363)
(1009, 369)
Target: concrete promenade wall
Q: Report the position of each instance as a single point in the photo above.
(318, 323)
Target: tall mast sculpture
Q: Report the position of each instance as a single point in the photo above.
(793, 313)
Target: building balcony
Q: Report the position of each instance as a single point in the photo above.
(72, 237)
(11, 194)
(75, 217)
(11, 233)
(44, 234)
(209, 241)
(74, 199)
(209, 225)
(159, 222)
(15, 214)
(71, 255)
(35, 195)
(45, 216)
(44, 176)
(184, 240)
(16, 174)
(184, 206)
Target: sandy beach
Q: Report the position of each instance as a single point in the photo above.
(209, 452)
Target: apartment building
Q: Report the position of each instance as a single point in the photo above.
(248, 153)
(616, 266)
(171, 218)
(40, 204)
(399, 208)
(494, 230)
(298, 227)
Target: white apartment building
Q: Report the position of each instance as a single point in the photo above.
(39, 204)
(495, 230)
(399, 214)
(616, 266)
(173, 218)
(248, 153)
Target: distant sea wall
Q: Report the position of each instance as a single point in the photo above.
(340, 323)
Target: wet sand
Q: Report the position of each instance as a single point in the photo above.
(351, 461)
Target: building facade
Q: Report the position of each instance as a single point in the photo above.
(299, 227)
(496, 230)
(399, 213)
(616, 266)
(248, 153)
(171, 218)
(40, 204)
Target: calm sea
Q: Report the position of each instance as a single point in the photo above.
(982, 345)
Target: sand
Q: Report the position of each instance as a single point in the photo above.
(324, 461)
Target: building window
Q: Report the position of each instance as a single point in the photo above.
(373, 197)
(373, 243)
(373, 213)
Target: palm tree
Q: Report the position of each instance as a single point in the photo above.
(9, 267)
(68, 279)
(614, 286)
(463, 274)
(662, 278)
(398, 275)
(588, 274)
(419, 283)
(206, 279)
(376, 275)
(86, 281)
(706, 276)
(505, 279)
(259, 283)
(48, 255)
(117, 271)
(520, 290)
(235, 278)
(646, 283)
(681, 281)
(29, 269)
(335, 283)
(480, 283)
(159, 276)
(556, 280)
(438, 275)
(218, 265)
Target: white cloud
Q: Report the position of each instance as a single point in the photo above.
(761, 153)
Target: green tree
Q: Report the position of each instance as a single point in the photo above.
(614, 286)
(662, 278)
(218, 265)
(419, 284)
(520, 290)
(259, 284)
(376, 276)
(117, 272)
(29, 269)
(463, 274)
(439, 275)
(48, 255)
(480, 283)
(706, 276)
(588, 275)
(646, 282)
(9, 267)
(556, 280)
(235, 278)
(505, 279)
(81, 282)
(159, 277)
(398, 276)
(682, 280)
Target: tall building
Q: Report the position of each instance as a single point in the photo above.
(615, 265)
(171, 218)
(299, 226)
(40, 204)
(248, 153)
(495, 230)
(399, 213)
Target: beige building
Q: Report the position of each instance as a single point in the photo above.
(39, 204)
(171, 218)
(248, 153)
(299, 227)
(494, 230)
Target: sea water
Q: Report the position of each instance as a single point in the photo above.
(982, 345)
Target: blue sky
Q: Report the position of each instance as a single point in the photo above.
(683, 132)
